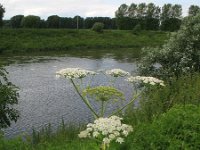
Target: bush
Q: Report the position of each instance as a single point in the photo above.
(98, 27)
(180, 55)
(177, 129)
(8, 98)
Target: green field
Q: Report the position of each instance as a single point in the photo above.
(29, 40)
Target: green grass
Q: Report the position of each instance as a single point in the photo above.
(29, 40)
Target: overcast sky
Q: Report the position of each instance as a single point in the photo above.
(84, 8)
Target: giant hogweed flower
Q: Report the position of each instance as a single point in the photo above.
(146, 80)
(106, 130)
(104, 93)
(74, 73)
(117, 73)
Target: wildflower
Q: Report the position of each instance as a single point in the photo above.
(110, 129)
(104, 93)
(95, 134)
(117, 73)
(146, 80)
(120, 140)
(83, 134)
(73, 73)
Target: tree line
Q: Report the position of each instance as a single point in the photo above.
(146, 16)
(152, 17)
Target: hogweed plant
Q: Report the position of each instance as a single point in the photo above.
(105, 128)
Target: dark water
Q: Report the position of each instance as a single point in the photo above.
(45, 99)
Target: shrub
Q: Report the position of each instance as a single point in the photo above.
(98, 27)
(177, 129)
(137, 29)
(8, 97)
(180, 55)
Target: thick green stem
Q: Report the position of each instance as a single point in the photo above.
(85, 100)
(119, 110)
(102, 108)
(103, 146)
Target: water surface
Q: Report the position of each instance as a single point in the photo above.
(45, 99)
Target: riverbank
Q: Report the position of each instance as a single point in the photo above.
(29, 40)
(156, 125)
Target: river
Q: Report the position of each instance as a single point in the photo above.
(45, 99)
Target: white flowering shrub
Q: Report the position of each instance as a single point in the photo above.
(106, 130)
(180, 55)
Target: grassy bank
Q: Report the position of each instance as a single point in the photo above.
(28, 40)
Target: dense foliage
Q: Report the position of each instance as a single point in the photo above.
(31, 21)
(181, 54)
(193, 10)
(2, 11)
(8, 98)
(16, 21)
(177, 129)
(149, 16)
(156, 101)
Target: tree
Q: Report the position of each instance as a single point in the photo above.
(141, 10)
(16, 21)
(166, 12)
(2, 11)
(53, 21)
(132, 10)
(8, 98)
(151, 8)
(194, 10)
(176, 11)
(122, 11)
(31, 21)
(78, 22)
(171, 17)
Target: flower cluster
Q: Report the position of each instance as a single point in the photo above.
(72, 73)
(104, 93)
(107, 130)
(147, 80)
(117, 73)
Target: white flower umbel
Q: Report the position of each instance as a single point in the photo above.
(107, 130)
(74, 73)
(146, 80)
(117, 73)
